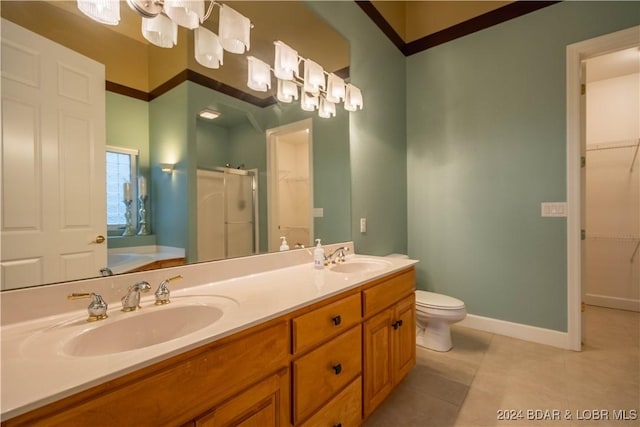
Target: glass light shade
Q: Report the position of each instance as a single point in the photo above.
(208, 51)
(286, 62)
(259, 76)
(313, 77)
(335, 88)
(160, 31)
(287, 91)
(327, 109)
(353, 98)
(233, 30)
(309, 102)
(186, 13)
(103, 11)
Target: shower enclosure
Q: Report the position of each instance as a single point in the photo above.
(227, 213)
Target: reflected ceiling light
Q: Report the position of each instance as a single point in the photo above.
(259, 76)
(287, 91)
(208, 114)
(208, 50)
(286, 62)
(353, 98)
(234, 30)
(103, 11)
(167, 167)
(161, 31)
(186, 13)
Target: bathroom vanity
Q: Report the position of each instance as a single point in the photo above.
(326, 350)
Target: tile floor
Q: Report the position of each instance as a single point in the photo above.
(485, 374)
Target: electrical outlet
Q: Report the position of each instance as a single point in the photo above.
(553, 209)
(363, 225)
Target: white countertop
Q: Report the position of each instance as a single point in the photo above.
(37, 371)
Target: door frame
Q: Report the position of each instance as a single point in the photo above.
(576, 53)
(272, 188)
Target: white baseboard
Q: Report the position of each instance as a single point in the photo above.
(517, 330)
(613, 302)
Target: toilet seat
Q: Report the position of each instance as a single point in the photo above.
(427, 299)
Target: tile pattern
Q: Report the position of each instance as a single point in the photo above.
(538, 385)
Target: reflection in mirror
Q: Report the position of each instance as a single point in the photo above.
(151, 106)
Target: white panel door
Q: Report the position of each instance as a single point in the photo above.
(211, 230)
(53, 162)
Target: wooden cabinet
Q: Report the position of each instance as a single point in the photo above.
(328, 364)
(327, 349)
(262, 405)
(389, 350)
(175, 391)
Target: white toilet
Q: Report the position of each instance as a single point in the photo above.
(434, 314)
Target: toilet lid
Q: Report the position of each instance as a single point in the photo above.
(431, 299)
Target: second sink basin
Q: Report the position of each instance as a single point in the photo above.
(360, 265)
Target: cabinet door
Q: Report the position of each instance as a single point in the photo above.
(263, 405)
(378, 368)
(404, 338)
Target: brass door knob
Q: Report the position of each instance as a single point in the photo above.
(100, 239)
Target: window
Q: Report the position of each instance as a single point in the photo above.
(122, 166)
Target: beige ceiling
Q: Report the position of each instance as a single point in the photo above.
(413, 20)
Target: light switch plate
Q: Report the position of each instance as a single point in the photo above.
(318, 212)
(553, 209)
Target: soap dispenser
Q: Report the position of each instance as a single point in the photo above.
(283, 245)
(318, 256)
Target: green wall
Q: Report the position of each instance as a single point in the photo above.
(377, 133)
(486, 142)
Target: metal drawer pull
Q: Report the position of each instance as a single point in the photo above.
(396, 324)
(337, 368)
(336, 320)
(337, 425)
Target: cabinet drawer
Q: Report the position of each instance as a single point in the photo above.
(345, 409)
(388, 292)
(325, 322)
(317, 376)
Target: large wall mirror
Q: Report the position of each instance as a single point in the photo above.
(152, 105)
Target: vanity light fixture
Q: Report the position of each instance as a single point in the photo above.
(103, 11)
(160, 20)
(320, 90)
(208, 114)
(167, 167)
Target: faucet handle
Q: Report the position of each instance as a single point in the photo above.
(163, 292)
(97, 307)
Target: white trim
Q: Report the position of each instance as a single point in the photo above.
(576, 53)
(613, 302)
(518, 330)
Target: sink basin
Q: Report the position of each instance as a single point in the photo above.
(360, 266)
(132, 331)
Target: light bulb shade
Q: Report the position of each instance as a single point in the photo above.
(287, 91)
(327, 109)
(308, 102)
(160, 31)
(103, 11)
(186, 13)
(208, 51)
(259, 77)
(286, 62)
(234, 30)
(353, 98)
(335, 88)
(313, 77)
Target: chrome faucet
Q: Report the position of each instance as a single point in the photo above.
(106, 271)
(340, 252)
(131, 301)
(97, 307)
(163, 293)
